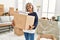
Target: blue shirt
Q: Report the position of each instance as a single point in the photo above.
(36, 19)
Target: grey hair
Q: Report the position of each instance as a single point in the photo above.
(32, 7)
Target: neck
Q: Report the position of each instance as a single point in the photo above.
(30, 11)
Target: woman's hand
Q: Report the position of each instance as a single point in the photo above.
(31, 27)
(13, 23)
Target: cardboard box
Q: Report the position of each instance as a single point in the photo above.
(1, 13)
(47, 36)
(11, 10)
(1, 9)
(23, 21)
(18, 32)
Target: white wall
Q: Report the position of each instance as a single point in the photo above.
(7, 4)
(37, 3)
(57, 8)
(58, 13)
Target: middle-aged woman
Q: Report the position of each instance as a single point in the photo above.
(29, 34)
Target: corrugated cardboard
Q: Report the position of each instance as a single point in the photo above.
(18, 32)
(47, 36)
(23, 21)
(11, 10)
(1, 9)
(1, 13)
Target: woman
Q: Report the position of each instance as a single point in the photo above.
(29, 34)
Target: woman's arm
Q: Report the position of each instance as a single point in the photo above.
(31, 27)
(36, 21)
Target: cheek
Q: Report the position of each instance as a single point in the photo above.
(30, 8)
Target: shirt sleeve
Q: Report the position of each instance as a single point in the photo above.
(35, 21)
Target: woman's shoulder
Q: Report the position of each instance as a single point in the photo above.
(35, 13)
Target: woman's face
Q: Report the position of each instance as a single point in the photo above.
(29, 7)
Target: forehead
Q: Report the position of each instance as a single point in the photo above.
(29, 4)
